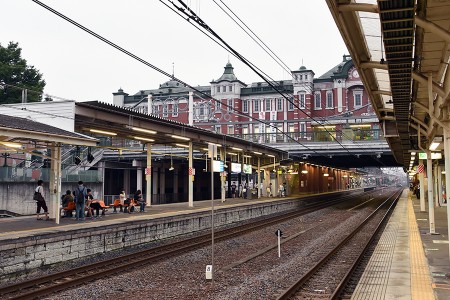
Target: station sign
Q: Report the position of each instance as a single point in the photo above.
(218, 166)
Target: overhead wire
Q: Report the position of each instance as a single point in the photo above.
(154, 67)
(277, 60)
(193, 16)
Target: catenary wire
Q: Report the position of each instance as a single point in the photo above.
(158, 69)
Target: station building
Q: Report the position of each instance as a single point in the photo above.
(332, 106)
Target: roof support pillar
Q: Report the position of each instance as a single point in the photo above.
(447, 175)
(191, 108)
(55, 182)
(191, 176)
(430, 193)
(148, 177)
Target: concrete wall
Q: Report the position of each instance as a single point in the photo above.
(17, 197)
(19, 255)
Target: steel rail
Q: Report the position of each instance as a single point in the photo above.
(60, 281)
(294, 288)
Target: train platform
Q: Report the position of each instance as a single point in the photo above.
(16, 227)
(409, 262)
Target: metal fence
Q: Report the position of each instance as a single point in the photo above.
(20, 174)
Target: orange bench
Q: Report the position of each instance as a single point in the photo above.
(117, 204)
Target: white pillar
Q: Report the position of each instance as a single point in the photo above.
(260, 185)
(430, 193)
(447, 175)
(191, 108)
(191, 177)
(439, 184)
(148, 177)
(126, 182)
(222, 178)
(422, 189)
(55, 183)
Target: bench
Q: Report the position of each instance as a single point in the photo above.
(117, 204)
(71, 206)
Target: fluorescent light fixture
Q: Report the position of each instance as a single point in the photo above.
(413, 153)
(304, 171)
(361, 125)
(180, 137)
(181, 145)
(434, 146)
(326, 174)
(205, 149)
(171, 168)
(143, 139)
(246, 155)
(435, 143)
(231, 153)
(443, 172)
(257, 153)
(143, 130)
(218, 145)
(103, 132)
(345, 176)
(237, 149)
(270, 155)
(11, 145)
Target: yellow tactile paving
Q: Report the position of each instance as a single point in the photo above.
(421, 285)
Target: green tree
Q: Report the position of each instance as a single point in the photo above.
(16, 75)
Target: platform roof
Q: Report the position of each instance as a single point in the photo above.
(400, 48)
(15, 132)
(123, 122)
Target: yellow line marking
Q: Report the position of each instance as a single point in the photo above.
(421, 287)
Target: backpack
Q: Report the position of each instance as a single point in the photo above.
(80, 196)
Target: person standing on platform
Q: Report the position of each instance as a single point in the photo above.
(80, 201)
(122, 198)
(138, 199)
(233, 190)
(40, 201)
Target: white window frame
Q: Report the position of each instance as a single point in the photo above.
(267, 104)
(165, 110)
(256, 105)
(329, 103)
(230, 129)
(302, 100)
(175, 110)
(224, 89)
(317, 100)
(279, 104)
(355, 95)
(230, 104)
(291, 102)
(218, 128)
(230, 88)
(218, 105)
(218, 89)
(245, 106)
(302, 130)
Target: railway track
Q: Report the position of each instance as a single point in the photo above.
(329, 276)
(62, 281)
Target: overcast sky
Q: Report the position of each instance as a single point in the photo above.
(75, 65)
